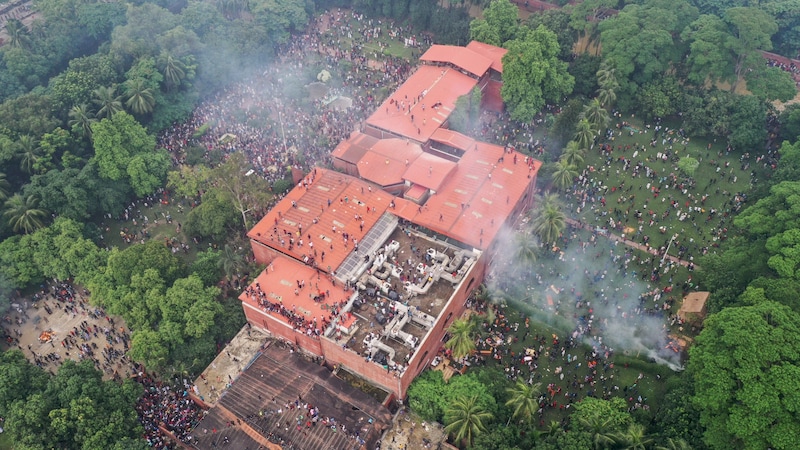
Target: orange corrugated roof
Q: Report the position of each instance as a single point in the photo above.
(352, 149)
(349, 197)
(279, 282)
(471, 206)
(495, 54)
(462, 57)
(416, 192)
(429, 171)
(387, 160)
(416, 97)
(453, 139)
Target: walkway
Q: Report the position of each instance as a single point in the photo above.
(629, 243)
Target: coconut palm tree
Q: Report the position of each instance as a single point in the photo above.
(466, 419)
(81, 115)
(607, 75)
(548, 220)
(598, 428)
(461, 341)
(140, 97)
(527, 248)
(17, 34)
(596, 114)
(573, 154)
(173, 69)
(23, 213)
(28, 152)
(564, 174)
(4, 187)
(607, 96)
(231, 262)
(524, 400)
(585, 133)
(107, 99)
(633, 438)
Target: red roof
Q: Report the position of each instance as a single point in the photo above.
(474, 202)
(428, 86)
(305, 211)
(279, 282)
(352, 149)
(416, 192)
(453, 139)
(495, 54)
(429, 171)
(461, 57)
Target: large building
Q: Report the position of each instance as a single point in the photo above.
(367, 266)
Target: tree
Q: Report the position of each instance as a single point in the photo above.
(23, 213)
(548, 221)
(462, 341)
(607, 80)
(108, 101)
(709, 58)
(564, 174)
(751, 29)
(524, 400)
(770, 83)
(279, 19)
(173, 69)
(17, 34)
(573, 154)
(4, 187)
(688, 165)
(116, 141)
(148, 171)
(465, 419)
(231, 262)
(245, 192)
(596, 115)
(633, 438)
(527, 247)
(500, 23)
(744, 365)
(585, 133)
(140, 98)
(532, 74)
(602, 419)
(147, 348)
(81, 117)
(28, 152)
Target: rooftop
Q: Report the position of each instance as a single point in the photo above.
(280, 387)
(429, 171)
(453, 139)
(464, 58)
(310, 222)
(474, 202)
(351, 150)
(495, 54)
(387, 160)
(423, 103)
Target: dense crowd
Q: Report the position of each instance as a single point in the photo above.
(168, 407)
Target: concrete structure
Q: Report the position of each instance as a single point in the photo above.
(368, 268)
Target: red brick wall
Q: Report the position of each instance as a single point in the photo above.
(279, 328)
(262, 253)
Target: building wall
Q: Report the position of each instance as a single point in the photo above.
(262, 253)
(346, 167)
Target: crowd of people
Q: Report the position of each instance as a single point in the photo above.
(787, 65)
(165, 406)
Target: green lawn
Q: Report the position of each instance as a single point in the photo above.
(161, 231)
(5, 442)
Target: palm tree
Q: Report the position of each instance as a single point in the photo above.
(4, 187)
(598, 427)
(107, 99)
(23, 213)
(573, 153)
(564, 174)
(553, 427)
(634, 438)
(231, 262)
(81, 115)
(140, 97)
(674, 444)
(607, 75)
(17, 34)
(466, 419)
(524, 400)
(596, 114)
(461, 341)
(527, 248)
(173, 69)
(548, 220)
(584, 133)
(28, 152)
(607, 96)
